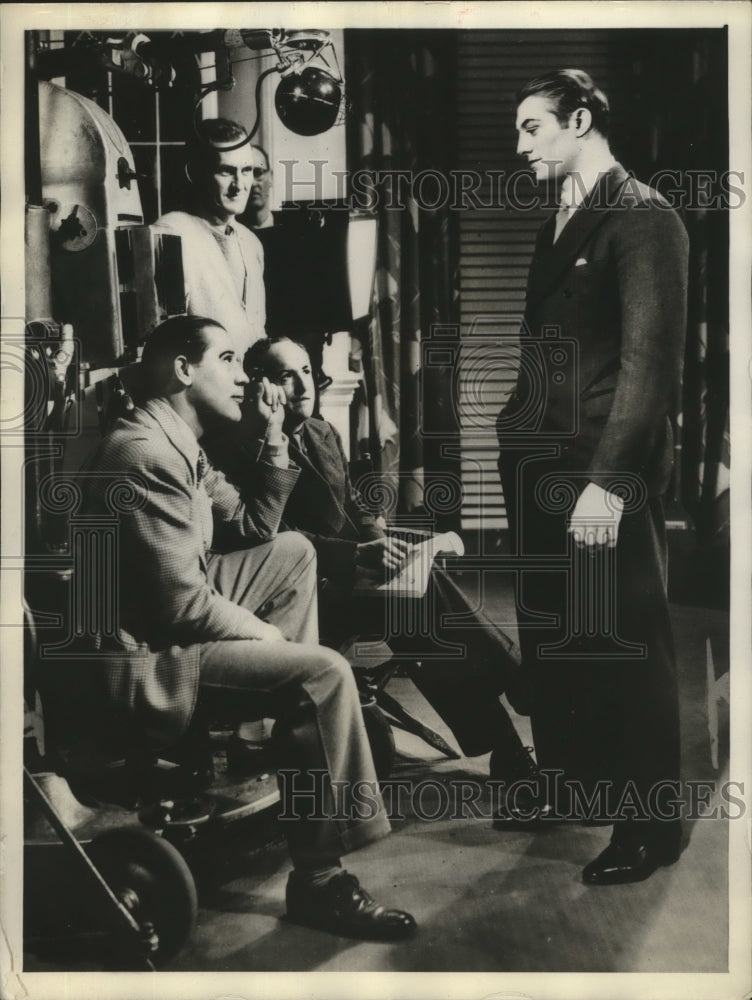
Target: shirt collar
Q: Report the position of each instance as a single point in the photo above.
(575, 190)
(176, 429)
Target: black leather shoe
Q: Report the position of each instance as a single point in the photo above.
(343, 907)
(521, 799)
(621, 863)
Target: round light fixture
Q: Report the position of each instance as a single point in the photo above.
(308, 102)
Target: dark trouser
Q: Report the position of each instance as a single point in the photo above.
(309, 690)
(464, 666)
(602, 668)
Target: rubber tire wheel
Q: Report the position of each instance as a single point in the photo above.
(134, 858)
(381, 738)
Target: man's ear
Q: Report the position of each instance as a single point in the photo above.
(583, 121)
(183, 370)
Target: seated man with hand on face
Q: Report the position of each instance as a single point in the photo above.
(324, 506)
(234, 630)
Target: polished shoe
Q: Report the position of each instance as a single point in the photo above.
(624, 862)
(522, 803)
(343, 907)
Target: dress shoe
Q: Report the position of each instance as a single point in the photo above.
(343, 907)
(521, 798)
(623, 862)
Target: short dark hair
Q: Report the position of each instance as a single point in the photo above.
(264, 153)
(175, 336)
(203, 146)
(570, 89)
(255, 357)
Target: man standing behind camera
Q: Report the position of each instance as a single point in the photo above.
(608, 280)
(223, 262)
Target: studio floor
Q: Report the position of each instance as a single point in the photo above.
(487, 900)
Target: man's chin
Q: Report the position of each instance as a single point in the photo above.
(233, 416)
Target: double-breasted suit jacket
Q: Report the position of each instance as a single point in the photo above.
(602, 350)
(614, 285)
(140, 677)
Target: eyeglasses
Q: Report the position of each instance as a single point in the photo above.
(259, 172)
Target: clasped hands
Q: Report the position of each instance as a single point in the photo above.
(595, 518)
(264, 412)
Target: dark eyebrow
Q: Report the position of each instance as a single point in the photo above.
(228, 354)
(530, 121)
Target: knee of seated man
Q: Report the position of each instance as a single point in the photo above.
(328, 664)
(292, 546)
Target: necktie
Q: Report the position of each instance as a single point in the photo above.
(200, 467)
(562, 218)
(298, 438)
(229, 244)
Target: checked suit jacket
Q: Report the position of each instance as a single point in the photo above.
(140, 676)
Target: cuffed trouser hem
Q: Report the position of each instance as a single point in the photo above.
(367, 832)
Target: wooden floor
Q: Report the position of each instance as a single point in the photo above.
(489, 901)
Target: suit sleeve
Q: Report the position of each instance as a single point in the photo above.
(254, 514)
(162, 538)
(651, 254)
(336, 555)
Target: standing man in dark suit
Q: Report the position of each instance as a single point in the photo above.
(586, 453)
(349, 541)
(215, 608)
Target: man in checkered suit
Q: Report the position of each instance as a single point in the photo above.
(237, 629)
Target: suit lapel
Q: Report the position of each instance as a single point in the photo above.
(316, 453)
(551, 261)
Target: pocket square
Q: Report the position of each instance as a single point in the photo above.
(580, 262)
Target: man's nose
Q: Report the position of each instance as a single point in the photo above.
(240, 376)
(523, 144)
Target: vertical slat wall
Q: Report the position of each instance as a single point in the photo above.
(496, 242)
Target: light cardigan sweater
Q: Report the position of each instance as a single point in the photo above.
(209, 285)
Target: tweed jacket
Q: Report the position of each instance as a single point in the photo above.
(324, 505)
(146, 669)
(209, 286)
(612, 293)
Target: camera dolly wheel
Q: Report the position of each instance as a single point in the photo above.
(150, 878)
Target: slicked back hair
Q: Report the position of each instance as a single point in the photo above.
(568, 90)
(179, 335)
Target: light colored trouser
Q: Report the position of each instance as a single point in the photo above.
(308, 689)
